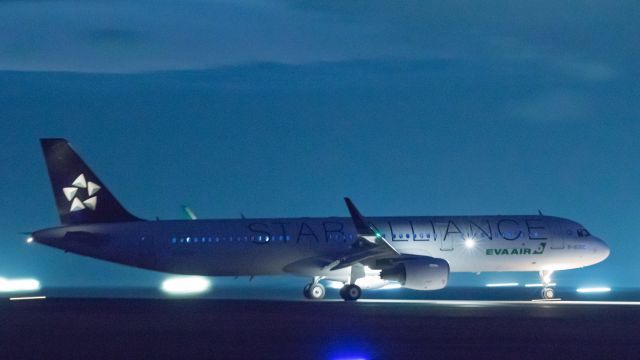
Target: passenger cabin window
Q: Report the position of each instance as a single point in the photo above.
(583, 233)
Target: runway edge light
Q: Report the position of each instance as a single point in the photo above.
(19, 285)
(502, 284)
(186, 285)
(593, 290)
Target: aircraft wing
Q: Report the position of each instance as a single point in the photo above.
(369, 244)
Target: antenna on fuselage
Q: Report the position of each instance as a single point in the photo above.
(540, 212)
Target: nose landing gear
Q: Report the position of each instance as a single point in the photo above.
(547, 292)
(314, 290)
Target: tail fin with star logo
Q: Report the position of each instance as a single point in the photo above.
(80, 196)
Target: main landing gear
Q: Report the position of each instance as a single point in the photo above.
(350, 292)
(314, 290)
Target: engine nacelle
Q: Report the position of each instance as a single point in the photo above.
(419, 274)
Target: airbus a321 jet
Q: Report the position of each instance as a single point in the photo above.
(416, 252)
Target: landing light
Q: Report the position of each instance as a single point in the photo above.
(29, 239)
(391, 287)
(370, 282)
(469, 243)
(186, 285)
(593, 290)
(16, 285)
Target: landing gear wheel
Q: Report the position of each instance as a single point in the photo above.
(547, 293)
(350, 292)
(316, 291)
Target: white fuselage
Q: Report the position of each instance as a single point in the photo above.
(304, 246)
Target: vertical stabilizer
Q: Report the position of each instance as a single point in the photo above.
(80, 196)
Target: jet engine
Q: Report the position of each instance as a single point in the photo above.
(419, 273)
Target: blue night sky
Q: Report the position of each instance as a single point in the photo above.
(279, 109)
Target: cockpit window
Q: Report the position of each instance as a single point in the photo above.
(583, 233)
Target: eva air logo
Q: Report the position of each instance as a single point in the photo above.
(518, 251)
(81, 194)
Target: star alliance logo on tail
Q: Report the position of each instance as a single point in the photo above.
(72, 194)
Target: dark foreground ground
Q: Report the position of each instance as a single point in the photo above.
(206, 328)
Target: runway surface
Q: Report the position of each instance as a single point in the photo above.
(369, 329)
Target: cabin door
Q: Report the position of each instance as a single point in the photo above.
(559, 233)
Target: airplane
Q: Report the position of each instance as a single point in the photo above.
(415, 252)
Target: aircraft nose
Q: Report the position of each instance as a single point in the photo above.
(602, 249)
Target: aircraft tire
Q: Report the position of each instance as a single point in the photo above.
(350, 292)
(548, 293)
(316, 291)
